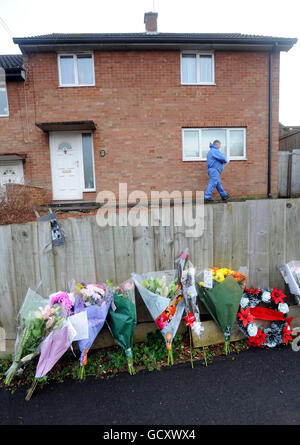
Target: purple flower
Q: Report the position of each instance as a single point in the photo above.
(63, 299)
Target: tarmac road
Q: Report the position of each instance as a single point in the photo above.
(258, 387)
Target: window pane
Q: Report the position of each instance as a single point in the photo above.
(206, 69)
(210, 135)
(67, 70)
(191, 144)
(85, 69)
(3, 102)
(88, 166)
(188, 68)
(236, 141)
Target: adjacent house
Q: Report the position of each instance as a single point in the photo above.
(84, 112)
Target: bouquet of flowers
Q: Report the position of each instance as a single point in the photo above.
(165, 305)
(268, 305)
(220, 273)
(121, 318)
(57, 342)
(159, 286)
(36, 318)
(186, 273)
(95, 300)
(221, 295)
(291, 275)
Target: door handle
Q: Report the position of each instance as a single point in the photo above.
(77, 163)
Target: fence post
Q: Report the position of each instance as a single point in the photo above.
(295, 173)
(283, 173)
(2, 340)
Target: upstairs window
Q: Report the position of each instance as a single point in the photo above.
(195, 142)
(3, 100)
(76, 70)
(197, 68)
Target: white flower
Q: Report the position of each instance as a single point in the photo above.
(252, 329)
(271, 344)
(197, 328)
(283, 307)
(244, 302)
(266, 296)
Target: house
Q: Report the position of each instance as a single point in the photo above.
(93, 110)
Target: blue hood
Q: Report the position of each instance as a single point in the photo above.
(215, 159)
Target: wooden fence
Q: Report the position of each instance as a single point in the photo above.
(259, 234)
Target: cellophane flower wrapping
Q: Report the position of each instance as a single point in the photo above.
(96, 301)
(166, 312)
(66, 328)
(32, 322)
(121, 318)
(291, 275)
(222, 302)
(186, 275)
(38, 317)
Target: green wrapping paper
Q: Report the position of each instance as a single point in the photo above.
(121, 321)
(222, 302)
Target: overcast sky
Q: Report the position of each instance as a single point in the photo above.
(265, 17)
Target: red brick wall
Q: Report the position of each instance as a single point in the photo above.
(140, 107)
(37, 194)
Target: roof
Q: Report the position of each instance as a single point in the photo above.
(11, 61)
(148, 39)
(290, 133)
(13, 66)
(69, 126)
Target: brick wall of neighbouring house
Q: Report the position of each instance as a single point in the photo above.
(140, 108)
(37, 195)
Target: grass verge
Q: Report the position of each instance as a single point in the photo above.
(107, 362)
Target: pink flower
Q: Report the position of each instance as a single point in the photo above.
(63, 299)
(92, 290)
(128, 286)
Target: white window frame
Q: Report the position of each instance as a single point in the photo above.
(82, 169)
(227, 129)
(74, 55)
(198, 54)
(5, 115)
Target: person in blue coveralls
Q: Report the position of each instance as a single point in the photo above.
(215, 164)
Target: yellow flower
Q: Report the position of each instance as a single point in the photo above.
(219, 276)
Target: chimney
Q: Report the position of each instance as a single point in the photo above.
(150, 20)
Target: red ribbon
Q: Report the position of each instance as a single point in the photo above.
(184, 256)
(262, 313)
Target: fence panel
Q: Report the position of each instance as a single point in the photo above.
(259, 234)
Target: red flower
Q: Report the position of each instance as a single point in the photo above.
(277, 295)
(258, 339)
(253, 291)
(190, 319)
(289, 320)
(286, 335)
(245, 316)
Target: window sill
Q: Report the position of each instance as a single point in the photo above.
(198, 84)
(89, 191)
(204, 160)
(76, 86)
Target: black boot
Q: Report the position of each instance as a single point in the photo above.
(225, 198)
(209, 200)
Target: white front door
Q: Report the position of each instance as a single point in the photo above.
(66, 158)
